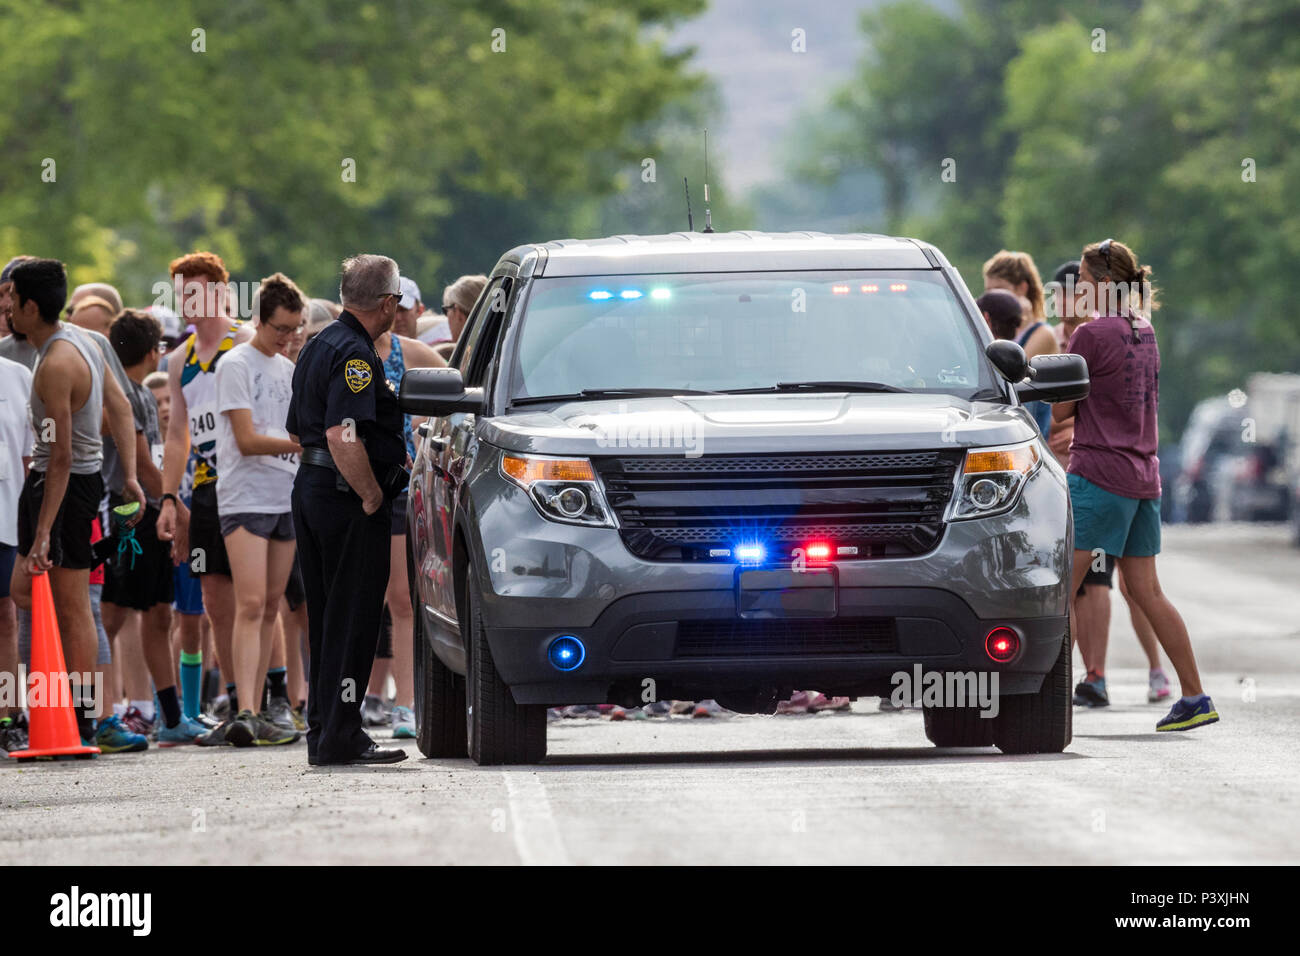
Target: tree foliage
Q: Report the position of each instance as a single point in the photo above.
(469, 126)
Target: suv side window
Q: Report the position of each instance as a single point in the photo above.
(487, 324)
(474, 327)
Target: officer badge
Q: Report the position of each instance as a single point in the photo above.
(356, 372)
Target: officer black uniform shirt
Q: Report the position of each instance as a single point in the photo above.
(340, 377)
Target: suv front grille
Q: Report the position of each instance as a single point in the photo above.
(786, 637)
(674, 508)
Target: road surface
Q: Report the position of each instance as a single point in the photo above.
(864, 787)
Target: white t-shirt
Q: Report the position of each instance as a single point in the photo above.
(15, 441)
(256, 484)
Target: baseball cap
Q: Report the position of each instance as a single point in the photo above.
(410, 293)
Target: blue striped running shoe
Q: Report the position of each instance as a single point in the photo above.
(187, 731)
(113, 737)
(1188, 714)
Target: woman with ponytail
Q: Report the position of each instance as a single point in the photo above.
(1114, 474)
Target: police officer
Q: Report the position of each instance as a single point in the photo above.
(346, 417)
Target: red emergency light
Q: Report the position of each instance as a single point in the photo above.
(1002, 644)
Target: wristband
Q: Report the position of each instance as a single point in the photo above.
(174, 501)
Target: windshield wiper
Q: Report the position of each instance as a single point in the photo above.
(608, 393)
(818, 387)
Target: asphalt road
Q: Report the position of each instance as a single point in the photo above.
(863, 787)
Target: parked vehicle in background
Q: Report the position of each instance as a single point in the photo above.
(1213, 433)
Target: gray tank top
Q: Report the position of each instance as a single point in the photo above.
(87, 421)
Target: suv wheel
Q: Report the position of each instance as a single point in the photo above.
(1040, 723)
(439, 692)
(498, 730)
(957, 727)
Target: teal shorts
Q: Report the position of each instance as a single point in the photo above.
(1111, 523)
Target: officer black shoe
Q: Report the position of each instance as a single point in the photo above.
(372, 755)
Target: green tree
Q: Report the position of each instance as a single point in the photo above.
(237, 126)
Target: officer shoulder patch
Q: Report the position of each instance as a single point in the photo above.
(356, 372)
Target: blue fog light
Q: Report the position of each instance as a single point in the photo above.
(566, 653)
(600, 295)
(750, 553)
(630, 294)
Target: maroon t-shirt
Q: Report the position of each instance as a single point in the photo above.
(1115, 427)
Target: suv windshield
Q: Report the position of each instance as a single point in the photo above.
(717, 332)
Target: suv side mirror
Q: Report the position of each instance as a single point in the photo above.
(1055, 378)
(438, 392)
(1008, 358)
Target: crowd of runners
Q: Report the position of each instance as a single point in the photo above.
(145, 465)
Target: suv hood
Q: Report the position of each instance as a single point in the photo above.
(731, 424)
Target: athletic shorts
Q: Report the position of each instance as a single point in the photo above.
(140, 580)
(70, 534)
(1105, 576)
(270, 527)
(399, 515)
(187, 592)
(1111, 523)
(294, 592)
(8, 554)
(205, 533)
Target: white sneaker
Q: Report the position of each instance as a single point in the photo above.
(402, 721)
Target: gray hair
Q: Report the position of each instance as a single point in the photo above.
(366, 280)
(464, 292)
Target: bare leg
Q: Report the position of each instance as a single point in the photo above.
(155, 626)
(1144, 586)
(1146, 634)
(248, 560)
(279, 562)
(399, 607)
(219, 607)
(1093, 614)
(292, 625)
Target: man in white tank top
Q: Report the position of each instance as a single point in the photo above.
(60, 498)
(195, 532)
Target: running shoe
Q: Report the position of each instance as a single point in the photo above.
(658, 708)
(553, 713)
(617, 713)
(587, 711)
(216, 737)
(373, 713)
(12, 736)
(113, 737)
(709, 708)
(187, 731)
(137, 722)
(300, 718)
(681, 707)
(221, 709)
(798, 703)
(1157, 686)
(280, 713)
(403, 723)
(206, 722)
(1190, 712)
(254, 730)
(821, 703)
(1091, 692)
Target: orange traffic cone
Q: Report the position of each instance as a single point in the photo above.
(52, 726)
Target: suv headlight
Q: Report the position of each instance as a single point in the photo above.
(563, 489)
(991, 479)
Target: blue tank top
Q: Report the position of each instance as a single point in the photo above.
(1041, 411)
(394, 369)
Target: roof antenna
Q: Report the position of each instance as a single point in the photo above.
(690, 223)
(708, 218)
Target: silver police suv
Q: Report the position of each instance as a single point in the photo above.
(731, 466)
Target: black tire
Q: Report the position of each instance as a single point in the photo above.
(957, 727)
(1041, 723)
(498, 730)
(439, 691)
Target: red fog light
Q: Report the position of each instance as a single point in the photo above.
(1002, 644)
(817, 551)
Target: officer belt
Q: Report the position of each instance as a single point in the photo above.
(320, 457)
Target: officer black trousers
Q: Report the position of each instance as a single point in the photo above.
(344, 555)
